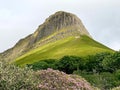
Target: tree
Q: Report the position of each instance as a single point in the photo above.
(94, 62)
(112, 62)
(70, 63)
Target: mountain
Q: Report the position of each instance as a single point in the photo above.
(61, 24)
(61, 34)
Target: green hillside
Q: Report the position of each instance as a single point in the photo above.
(68, 46)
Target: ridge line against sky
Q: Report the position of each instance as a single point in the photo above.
(21, 18)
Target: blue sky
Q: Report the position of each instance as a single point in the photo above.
(19, 18)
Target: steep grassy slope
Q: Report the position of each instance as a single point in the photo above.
(78, 46)
(63, 23)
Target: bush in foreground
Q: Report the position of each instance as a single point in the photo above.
(15, 78)
(56, 80)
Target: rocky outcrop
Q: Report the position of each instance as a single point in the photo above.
(57, 26)
(59, 21)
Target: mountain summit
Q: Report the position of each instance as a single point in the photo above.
(61, 34)
(57, 26)
(62, 22)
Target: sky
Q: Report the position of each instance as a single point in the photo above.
(19, 18)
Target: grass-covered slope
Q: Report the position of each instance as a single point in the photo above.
(77, 46)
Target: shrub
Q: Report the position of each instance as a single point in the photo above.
(56, 80)
(43, 64)
(103, 80)
(15, 78)
(94, 62)
(66, 64)
(111, 62)
(70, 63)
(117, 74)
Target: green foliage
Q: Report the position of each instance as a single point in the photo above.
(15, 78)
(70, 63)
(101, 70)
(117, 74)
(66, 64)
(43, 64)
(101, 62)
(104, 80)
(112, 62)
(94, 62)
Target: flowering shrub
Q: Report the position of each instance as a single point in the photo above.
(15, 78)
(56, 80)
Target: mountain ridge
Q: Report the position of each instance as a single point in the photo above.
(61, 24)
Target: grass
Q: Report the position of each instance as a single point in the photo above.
(69, 46)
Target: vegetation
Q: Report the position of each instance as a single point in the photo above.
(69, 64)
(63, 44)
(98, 74)
(56, 80)
(101, 70)
(15, 78)
(116, 88)
(111, 63)
(82, 46)
(43, 64)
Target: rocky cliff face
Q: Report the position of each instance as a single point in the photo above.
(57, 26)
(58, 21)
